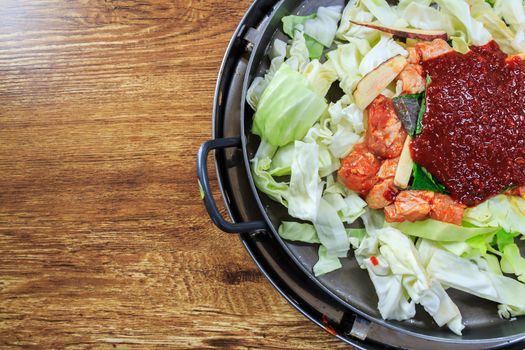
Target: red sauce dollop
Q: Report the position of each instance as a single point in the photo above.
(473, 138)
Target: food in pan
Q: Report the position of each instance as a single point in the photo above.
(424, 142)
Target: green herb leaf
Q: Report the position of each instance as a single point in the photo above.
(419, 124)
(424, 181)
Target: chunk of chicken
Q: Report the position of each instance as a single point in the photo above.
(414, 55)
(444, 208)
(521, 191)
(388, 168)
(384, 191)
(382, 194)
(358, 170)
(418, 205)
(385, 135)
(412, 79)
(435, 48)
(410, 206)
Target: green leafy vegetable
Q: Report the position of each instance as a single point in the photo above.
(287, 109)
(323, 27)
(513, 262)
(441, 231)
(327, 262)
(419, 125)
(424, 181)
(461, 18)
(465, 275)
(507, 212)
(264, 181)
(305, 184)
(295, 231)
(315, 48)
(291, 22)
(385, 13)
(503, 239)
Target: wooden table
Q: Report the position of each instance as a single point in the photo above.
(104, 241)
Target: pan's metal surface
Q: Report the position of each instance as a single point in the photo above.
(351, 285)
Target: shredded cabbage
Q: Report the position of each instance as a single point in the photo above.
(507, 212)
(264, 181)
(462, 20)
(306, 186)
(384, 50)
(386, 14)
(441, 231)
(323, 27)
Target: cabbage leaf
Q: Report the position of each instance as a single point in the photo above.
(323, 27)
(507, 212)
(384, 50)
(264, 181)
(441, 231)
(306, 187)
(462, 20)
(287, 109)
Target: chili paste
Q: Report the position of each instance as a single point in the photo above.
(473, 138)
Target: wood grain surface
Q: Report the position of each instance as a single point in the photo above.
(104, 241)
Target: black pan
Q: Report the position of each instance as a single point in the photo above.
(349, 285)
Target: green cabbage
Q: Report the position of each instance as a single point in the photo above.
(331, 230)
(513, 262)
(287, 109)
(441, 231)
(384, 50)
(306, 187)
(298, 54)
(323, 27)
(320, 76)
(259, 84)
(399, 275)
(507, 212)
(462, 20)
(327, 262)
(386, 14)
(292, 23)
(465, 275)
(294, 231)
(501, 33)
(422, 16)
(264, 181)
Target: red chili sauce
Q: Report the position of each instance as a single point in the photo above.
(473, 138)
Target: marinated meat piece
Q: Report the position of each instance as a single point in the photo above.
(445, 209)
(433, 49)
(382, 194)
(385, 135)
(414, 55)
(412, 79)
(388, 168)
(410, 206)
(358, 170)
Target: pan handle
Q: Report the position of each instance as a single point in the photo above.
(202, 173)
